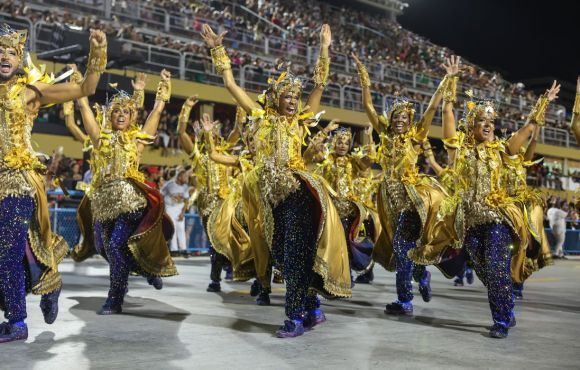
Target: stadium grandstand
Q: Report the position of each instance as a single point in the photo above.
(148, 36)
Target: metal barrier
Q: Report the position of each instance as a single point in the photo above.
(572, 243)
(64, 222)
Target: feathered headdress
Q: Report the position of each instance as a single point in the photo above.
(121, 99)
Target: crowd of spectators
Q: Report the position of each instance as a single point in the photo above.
(374, 36)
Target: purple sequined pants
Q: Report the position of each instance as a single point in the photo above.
(489, 248)
(406, 235)
(294, 249)
(112, 236)
(15, 215)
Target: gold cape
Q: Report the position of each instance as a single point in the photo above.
(331, 265)
(426, 196)
(148, 244)
(48, 248)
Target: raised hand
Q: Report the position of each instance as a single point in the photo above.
(355, 57)
(72, 66)
(369, 131)
(211, 39)
(451, 65)
(165, 75)
(325, 36)
(207, 123)
(98, 38)
(552, 92)
(191, 101)
(332, 125)
(139, 82)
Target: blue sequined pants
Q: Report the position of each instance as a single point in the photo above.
(294, 248)
(15, 215)
(112, 236)
(407, 232)
(489, 250)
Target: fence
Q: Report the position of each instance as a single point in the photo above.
(64, 223)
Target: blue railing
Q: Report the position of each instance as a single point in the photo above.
(64, 223)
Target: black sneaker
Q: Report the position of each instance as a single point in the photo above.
(498, 331)
(214, 287)
(263, 299)
(399, 308)
(255, 288)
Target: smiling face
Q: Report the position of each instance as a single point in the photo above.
(288, 103)
(120, 117)
(342, 145)
(9, 62)
(400, 122)
(483, 127)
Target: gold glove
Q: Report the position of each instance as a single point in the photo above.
(184, 114)
(538, 113)
(220, 59)
(76, 77)
(139, 98)
(321, 70)
(363, 75)
(97, 59)
(163, 91)
(449, 86)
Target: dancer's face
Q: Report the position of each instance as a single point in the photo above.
(9, 62)
(342, 146)
(400, 122)
(120, 118)
(483, 128)
(288, 103)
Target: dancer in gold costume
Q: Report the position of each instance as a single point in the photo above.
(289, 213)
(28, 248)
(120, 217)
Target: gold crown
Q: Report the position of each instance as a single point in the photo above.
(119, 100)
(474, 109)
(10, 38)
(285, 83)
(342, 133)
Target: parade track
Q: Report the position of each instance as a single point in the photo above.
(184, 327)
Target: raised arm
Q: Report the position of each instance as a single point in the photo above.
(139, 84)
(536, 118)
(367, 160)
(365, 84)
(68, 110)
(314, 153)
(447, 89)
(184, 138)
(162, 97)
(59, 93)
(320, 70)
(576, 113)
(531, 149)
(222, 64)
(214, 155)
(428, 151)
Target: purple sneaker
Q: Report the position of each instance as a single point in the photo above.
(290, 329)
(314, 317)
(157, 282)
(49, 306)
(425, 286)
(469, 275)
(110, 309)
(399, 308)
(13, 332)
(498, 331)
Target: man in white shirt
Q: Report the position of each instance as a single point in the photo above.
(557, 217)
(176, 193)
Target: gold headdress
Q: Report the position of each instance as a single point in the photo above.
(10, 38)
(285, 83)
(120, 100)
(342, 133)
(474, 108)
(399, 104)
